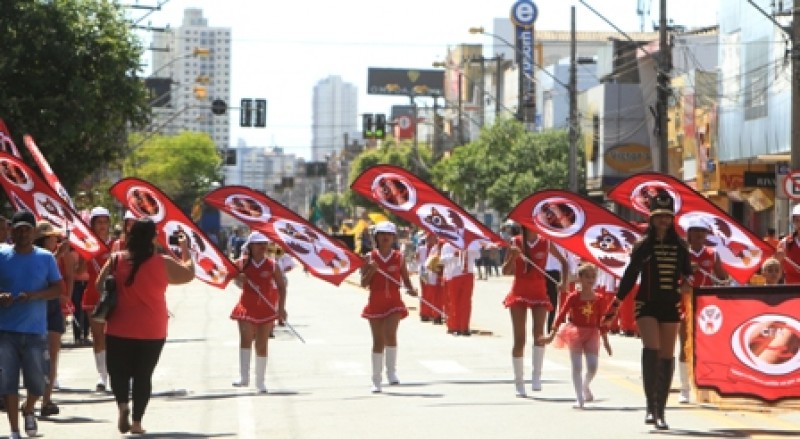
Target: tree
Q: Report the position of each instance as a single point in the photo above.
(68, 76)
(183, 166)
(504, 165)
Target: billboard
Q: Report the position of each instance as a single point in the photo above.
(159, 91)
(405, 82)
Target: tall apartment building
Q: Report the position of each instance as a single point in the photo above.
(335, 113)
(196, 58)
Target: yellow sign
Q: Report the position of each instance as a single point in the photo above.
(629, 158)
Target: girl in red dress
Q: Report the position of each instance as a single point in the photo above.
(529, 291)
(263, 301)
(383, 273)
(582, 333)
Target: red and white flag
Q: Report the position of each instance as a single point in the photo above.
(323, 256)
(740, 251)
(417, 202)
(27, 191)
(49, 176)
(6, 142)
(580, 226)
(747, 341)
(143, 199)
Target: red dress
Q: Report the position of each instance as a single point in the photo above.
(251, 306)
(529, 288)
(67, 308)
(790, 271)
(93, 267)
(582, 333)
(384, 294)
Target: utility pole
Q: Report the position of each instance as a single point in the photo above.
(482, 97)
(663, 74)
(498, 86)
(573, 109)
(795, 34)
(460, 109)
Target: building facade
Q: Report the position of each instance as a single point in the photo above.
(335, 116)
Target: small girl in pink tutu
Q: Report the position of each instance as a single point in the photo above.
(585, 307)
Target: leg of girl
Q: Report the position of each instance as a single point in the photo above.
(146, 358)
(683, 368)
(576, 359)
(262, 333)
(378, 343)
(668, 333)
(539, 314)
(99, 348)
(390, 338)
(246, 336)
(120, 359)
(519, 316)
(651, 342)
(591, 350)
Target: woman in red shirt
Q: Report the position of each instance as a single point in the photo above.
(263, 301)
(383, 273)
(582, 333)
(137, 328)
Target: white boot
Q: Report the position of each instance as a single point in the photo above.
(538, 361)
(519, 372)
(102, 371)
(261, 371)
(686, 386)
(391, 365)
(377, 368)
(244, 368)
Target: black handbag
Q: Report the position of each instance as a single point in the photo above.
(108, 297)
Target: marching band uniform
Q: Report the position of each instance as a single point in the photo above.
(430, 278)
(789, 252)
(384, 294)
(459, 278)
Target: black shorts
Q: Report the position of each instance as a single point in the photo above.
(663, 311)
(55, 319)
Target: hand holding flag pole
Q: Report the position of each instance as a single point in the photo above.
(418, 296)
(527, 260)
(258, 291)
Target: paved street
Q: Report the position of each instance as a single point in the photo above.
(451, 386)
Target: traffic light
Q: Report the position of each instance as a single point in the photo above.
(367, 127)
(380, 126)
(245, 113)
(261, 113)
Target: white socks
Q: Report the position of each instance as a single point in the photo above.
(261, 371)
(538, 361)
(102, 371)
(519, 371)
(591, 371)
(377, 368)
(391, 364)
(686, 386)
(576, 359)
(244, 368)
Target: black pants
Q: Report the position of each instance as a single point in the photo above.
(552, 293)
(80, 320)
(136, 359)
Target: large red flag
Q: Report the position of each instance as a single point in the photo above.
(324, 257)
(740, 251)
(747, 341)
(6, 142)
(143, 199)
(414, 200)
(49, 176)
(27, 191)
(580, 226)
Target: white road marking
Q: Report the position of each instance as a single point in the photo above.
(444, 366)
(247, 426)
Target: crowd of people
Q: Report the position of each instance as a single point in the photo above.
(44, 283)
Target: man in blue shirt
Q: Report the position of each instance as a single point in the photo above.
(29, 277)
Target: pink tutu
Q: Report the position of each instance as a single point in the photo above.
(578, 338)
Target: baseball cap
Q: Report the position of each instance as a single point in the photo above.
(23, 218)
(128, 215)
(257, 238)
(386, 227)
(99, 211)
(697, 223)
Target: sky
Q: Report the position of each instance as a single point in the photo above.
(282, 49)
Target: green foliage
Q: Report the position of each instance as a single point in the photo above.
(327, 204)
(68, 77)
(183, 166)
(504, 165)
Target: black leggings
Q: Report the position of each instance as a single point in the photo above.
(132, 358)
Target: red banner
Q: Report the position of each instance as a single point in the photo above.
(27, 191)
(580, 226)
(404, 127)
(143, 199)
(6, 142)
(740, 251)
(417, 202)
(747, 341)
(324, 257)
(49, 176)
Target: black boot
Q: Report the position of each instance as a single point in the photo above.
(664, 382)
(649, 374)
